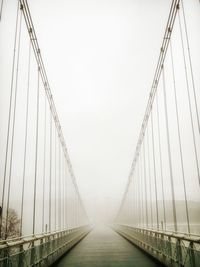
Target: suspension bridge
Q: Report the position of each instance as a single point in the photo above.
(43, 220)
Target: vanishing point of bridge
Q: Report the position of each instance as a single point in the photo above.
(42, 215)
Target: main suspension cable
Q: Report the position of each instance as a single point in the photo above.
(164, 47)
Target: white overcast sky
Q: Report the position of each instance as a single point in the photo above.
(100, 57)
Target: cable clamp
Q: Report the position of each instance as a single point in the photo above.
(169, 29)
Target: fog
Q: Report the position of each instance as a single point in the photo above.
(103, 50)
(100, 57)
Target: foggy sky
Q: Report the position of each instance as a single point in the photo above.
(100, 58)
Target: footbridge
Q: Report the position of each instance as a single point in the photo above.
(43, 220)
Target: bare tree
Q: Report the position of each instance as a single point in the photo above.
(13, 225)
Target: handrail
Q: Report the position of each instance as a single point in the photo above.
(192, 237)
(31, 238)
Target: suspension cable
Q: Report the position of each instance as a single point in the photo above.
(63, 198)
(179, 138)
(149, 173)
(139, 195)
(44, 163)
(60, 186)
(59, 189)
(9, 119)
(161, 59)
(36, 153)
(154, 170)
(145, 184)
(161, 163)
(44, 78)
(55, 159)
(25, 141)
(67, 224)
(13, 125)
(50, 171)
(141, 184)
(169, 153)
(189, 99)
(135, 201)
(191, 67)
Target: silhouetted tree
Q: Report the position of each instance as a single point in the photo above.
(13, 224)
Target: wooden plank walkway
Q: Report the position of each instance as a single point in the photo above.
(103, 247)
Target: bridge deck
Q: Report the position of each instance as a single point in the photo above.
(103, 247)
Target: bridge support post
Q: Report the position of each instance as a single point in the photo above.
(48, 248)
(6, 257)
(32, 259)
(170, 249)
(21, 256)
(41, 251)
(191, 255)
(179, 253)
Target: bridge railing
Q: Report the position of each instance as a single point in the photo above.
(171, 249)
(40, 249)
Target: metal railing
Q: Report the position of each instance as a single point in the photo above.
(170, 249)
(39, 249)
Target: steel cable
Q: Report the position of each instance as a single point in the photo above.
(50, 171)
(169, 153)
(36, 152)
(44, 163)
(154, 170)
(145, 184)
(9, 120)
(189, 99)
(149, 172)
(179, 139)
(25, 140)
(13, 125)
(191, 67)
(161, 163)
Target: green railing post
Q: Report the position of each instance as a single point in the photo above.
(32, 254)
(179, 252)
(6, 257)
(41, 250)
(21, 256)
(192, 255)
(170, 249)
